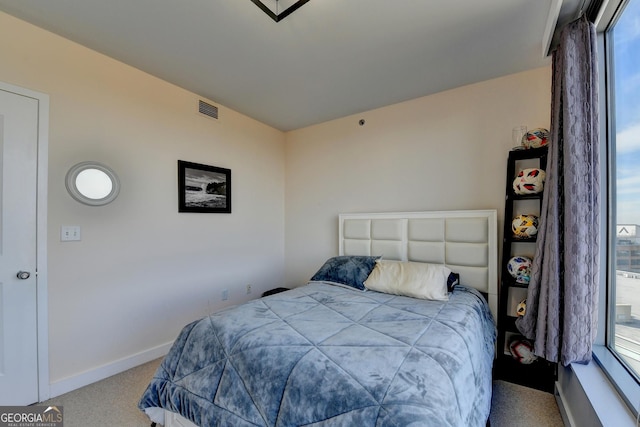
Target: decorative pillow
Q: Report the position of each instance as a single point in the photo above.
(413, 279)
(346, 270)
(452, 281)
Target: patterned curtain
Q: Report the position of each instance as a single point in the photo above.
(561, 315)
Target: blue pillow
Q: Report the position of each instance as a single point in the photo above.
(347, 270)
(452, 281)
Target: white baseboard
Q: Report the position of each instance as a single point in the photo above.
(567, 418)
(105, 371)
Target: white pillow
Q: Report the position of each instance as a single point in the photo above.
(413, 279)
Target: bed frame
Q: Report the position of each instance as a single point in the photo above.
(465, 241)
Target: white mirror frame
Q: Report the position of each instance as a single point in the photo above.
(74, 191)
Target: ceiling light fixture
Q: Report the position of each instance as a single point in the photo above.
(273, 7)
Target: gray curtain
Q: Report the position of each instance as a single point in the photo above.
(562, 297)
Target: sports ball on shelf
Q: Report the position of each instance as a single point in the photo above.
(521, 308)
(520, 269)
(535, 138)
(522, 351)
(524, 226)
(529, 181)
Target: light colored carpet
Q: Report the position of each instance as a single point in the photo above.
(113, 402)
(516, 406)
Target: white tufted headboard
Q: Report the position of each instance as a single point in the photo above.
(465, 241)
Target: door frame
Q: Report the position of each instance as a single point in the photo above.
(44, 388)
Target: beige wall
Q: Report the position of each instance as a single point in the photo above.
(142, 270)
(441, 152)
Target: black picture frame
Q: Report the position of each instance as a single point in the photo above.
(203, 188)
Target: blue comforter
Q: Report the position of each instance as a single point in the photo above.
(323, 355)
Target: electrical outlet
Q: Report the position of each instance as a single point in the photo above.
(225, 295)
(70, 233)
(248, 289)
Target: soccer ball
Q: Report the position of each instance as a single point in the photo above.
(529, 181)
(524, 226)
(521, 308)
(535, 138)
(522, 351)
(520, 269)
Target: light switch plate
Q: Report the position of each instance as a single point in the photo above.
(70, 233)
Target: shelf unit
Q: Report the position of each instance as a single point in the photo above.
(540, 374)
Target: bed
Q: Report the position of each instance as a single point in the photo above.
(330, 353)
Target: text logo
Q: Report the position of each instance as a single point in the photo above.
(31, 416)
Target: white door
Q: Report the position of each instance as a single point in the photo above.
(18, 292)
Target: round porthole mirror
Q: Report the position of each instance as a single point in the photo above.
(92, 183)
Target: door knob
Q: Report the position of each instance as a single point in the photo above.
(23, 275)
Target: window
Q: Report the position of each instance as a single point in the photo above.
(622, 41)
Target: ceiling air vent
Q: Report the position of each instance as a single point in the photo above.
(207, 109)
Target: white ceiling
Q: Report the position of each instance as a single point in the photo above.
(328, 59)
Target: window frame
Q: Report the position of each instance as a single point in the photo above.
(621, 376)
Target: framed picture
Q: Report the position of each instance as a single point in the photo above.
(203, 188)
